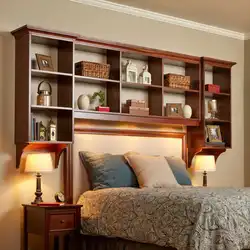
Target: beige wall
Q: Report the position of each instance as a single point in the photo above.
(63, 15)
(247, 117)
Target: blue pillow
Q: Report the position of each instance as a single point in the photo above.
(179, 170)
(108, 171)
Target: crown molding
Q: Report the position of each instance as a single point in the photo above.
(163, 18)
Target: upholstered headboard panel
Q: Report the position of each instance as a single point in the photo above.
(117, 144)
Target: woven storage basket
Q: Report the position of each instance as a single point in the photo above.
(177, 81)
(92, 69)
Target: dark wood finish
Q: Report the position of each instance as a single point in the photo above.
(116, 117)
(64, 126)
(68, 174)
(155, 67)
(65, 221)
(215, 95)
(155, 102)
(194, 100)
(218, 63)
(45, 108)
(204, 179)
(49, 222)
(22, 85)
(94, 80)
(48, 74)
(180, 91)
(155, 96)
(114, 59)
(67, 117)
(139, 85)
(113, 97)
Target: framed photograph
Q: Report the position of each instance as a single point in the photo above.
(174, 110)
(44, 62)
(214, 134)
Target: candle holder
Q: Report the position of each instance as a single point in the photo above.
(212, 108)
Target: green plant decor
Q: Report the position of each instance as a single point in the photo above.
(100, 95)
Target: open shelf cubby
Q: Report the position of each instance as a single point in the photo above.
(68, 84)
(218, 73)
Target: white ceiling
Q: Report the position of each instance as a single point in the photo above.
(228, 14)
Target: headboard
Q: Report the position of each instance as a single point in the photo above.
(117, 140)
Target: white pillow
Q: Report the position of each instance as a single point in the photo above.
(152, 171)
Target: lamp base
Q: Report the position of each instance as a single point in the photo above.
(38, 193)
(204, 179)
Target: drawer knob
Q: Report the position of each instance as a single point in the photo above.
(62, 221)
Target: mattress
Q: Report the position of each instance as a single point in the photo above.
(182, 218)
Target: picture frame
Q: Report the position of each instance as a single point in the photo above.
(214, 133)
(174, 110)
(44, 62)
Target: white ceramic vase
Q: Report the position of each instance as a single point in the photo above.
(187, 111)
(83, 102)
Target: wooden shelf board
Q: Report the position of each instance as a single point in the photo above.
(48, 74)
(179, 91)
(208, 94)
(109, 116)
(39, 107)
(217, 121)
(50, 142)
(94, 80)
(139, 85)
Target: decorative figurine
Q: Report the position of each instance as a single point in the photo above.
(42, 132)
(145, 76)
(51, 131)
(131, 72)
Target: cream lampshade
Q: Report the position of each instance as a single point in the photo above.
(37, 163)
(204, 163)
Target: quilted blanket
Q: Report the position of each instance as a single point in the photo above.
(183, 218)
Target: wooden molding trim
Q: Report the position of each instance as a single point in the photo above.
(80, 128)
(114, 45)
(218, 63)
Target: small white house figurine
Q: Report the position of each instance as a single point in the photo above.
(131, 72)
(145, 76)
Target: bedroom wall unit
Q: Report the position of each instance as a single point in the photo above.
(67, 49)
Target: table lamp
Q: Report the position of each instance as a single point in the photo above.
(37, 163)
(204, 163)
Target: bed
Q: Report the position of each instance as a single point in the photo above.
(180, 218)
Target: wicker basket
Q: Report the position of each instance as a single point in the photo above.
(177, 81)
(92, 69)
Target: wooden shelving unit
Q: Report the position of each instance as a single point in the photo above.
(67, 49)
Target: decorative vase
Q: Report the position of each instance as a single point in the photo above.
(187, 111)
(83, 102)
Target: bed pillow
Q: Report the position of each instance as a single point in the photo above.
(107, 170)
(152, 171)
(178, 166)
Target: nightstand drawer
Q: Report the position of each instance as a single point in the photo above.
(62, 221)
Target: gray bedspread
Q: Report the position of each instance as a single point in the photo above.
(183, 218)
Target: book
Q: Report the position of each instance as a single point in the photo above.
(33, 129)
(37, 137)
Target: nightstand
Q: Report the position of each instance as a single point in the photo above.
(51, 227)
